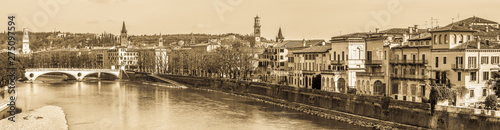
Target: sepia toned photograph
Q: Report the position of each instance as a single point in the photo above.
(249, 64)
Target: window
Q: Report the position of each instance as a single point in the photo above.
(385, 55)
(444, 60)
(334, 55)
(472, 76)
(423, 72)
(395, 88)
(435, 39)
(445, 39)
(437, 62)
(281, 57)
(486, 75)
(495, 59)
(471, 92)
(484, 92)
(472, 62)
(459, 76)
(484, 60)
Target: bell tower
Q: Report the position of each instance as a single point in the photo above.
(256, 32)
(160, 41)
(26, 42)
(123, 36)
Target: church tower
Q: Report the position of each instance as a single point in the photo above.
(160, 41)
(280, 37)
(26, 42)
(123, 36)
(256, 32)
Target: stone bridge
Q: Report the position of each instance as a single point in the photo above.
(72, 73)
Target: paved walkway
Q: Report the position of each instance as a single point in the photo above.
(45, 118)
(169, 81)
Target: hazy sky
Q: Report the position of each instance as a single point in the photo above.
(310, 19)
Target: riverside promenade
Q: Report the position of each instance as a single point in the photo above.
(45, 118)
(179, 85)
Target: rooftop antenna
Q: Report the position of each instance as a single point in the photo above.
(432, 22)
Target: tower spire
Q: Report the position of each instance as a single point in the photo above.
(124, 30)
(280, 37)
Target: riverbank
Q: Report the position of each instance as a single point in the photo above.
(315, 111)
(45, 118)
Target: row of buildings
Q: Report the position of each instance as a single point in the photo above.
(402, 63)
(143, 59)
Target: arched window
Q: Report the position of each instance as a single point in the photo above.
(440, 39)
(332, 84)
(435, 39)
(367, 88)
(359, 85)
(341, 85)
(452, 39)
(445, 39)
(460, 38)
(378, 88)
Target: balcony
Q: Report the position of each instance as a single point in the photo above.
(371, 74)
(333, 71)
(462, 67)
(373, 62)
(409, 77)
(338, 62)
(408, 62)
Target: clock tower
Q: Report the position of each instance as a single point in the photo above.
(256, 31)
(26, 42)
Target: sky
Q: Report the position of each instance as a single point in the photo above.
(299, 19)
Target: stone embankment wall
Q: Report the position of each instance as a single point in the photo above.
(383, 108)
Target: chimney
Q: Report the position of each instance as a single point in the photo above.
(478, 44)
(410, 30)
(376, 30)
(487, 29)
(304, 42)
(416, 28)
(323, 43)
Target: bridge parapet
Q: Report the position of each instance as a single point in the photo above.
(76, 73)
(69, 69)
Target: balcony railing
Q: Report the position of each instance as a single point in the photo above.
(464, 67)
(338, 62)
(409, 77)
(373, 62)
(406, 62)
(371, 74)
(333, 71)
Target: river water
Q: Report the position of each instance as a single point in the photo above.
(129, 105)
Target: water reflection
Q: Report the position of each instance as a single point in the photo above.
(126, 105)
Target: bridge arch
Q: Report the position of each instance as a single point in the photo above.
(33, 75)
(116, 75)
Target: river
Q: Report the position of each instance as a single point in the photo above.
(130, 105)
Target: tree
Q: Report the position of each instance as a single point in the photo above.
(491, 102)
(316, 82)
(494, 82)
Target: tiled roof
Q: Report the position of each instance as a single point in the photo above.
(298, 43)
(315, 49)
(352, 35)
(473, 45)
(395, 30)
(453, 27)
(423, 36)
(474, 19)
